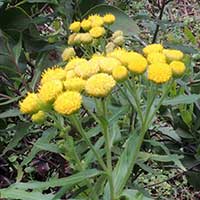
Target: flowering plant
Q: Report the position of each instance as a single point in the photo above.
(105, 85)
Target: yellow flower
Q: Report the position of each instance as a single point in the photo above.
(120, 73)
(152, 48)
(39, 117)
(86, 69)
(97, 32)
(68, 53)
(31, 104)
(178, 68)
(50, 90)
(96, 20)
(109, 18)
(108, 63)
(117, 33)
(71, 39)
(173, 54)
(55, 73)
(136, 63)
(86, 24)
(99, 85)
(70, 74)
(156, 58)
(75, 84)
(110, 47)
(74, 62)
(86, 38)
(75, 26)
(120, 54)
(119, 40)
(159, 72)
(68, 102)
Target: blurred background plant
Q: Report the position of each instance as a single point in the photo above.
(32, 36)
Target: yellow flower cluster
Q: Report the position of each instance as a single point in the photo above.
(61, 89)
(164, 63)
(89, 29)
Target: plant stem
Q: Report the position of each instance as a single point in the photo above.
(79, 127)
(105, 129)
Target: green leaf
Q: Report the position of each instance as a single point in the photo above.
(85, 5)
(22, 129)
(37, 147)
(43, 1)
(144, 156)
(134, 195)
(10, 113)
(189, 35)
(12, 193)
(66, 181)
(125, 164)
(182, 99)
(17, 49)
(123, 21)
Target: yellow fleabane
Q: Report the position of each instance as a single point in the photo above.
(50, 90)
(173, 54)
(55, 73)
(97, 32)
(136, 63)
(86, 69)
(68, 102)
(75, 84)
(96, 20)
(152, 48)
(39, 117)
(120, 73)
(178, 68)
(31, 104)
(86, 24)
(156, 58)
(75, 27)
(159, 73)
(68, 53)
(109, 18)
(74, 62)
(99, 85)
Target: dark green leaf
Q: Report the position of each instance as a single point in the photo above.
(182, 99)
(10, 113)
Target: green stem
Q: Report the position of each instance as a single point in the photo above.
(105, 129)
(132, 89)
(79, 127)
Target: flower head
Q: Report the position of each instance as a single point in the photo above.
(50, 90)
(120, 54)
(70, 74)
(159, 72)
(156, 57)
(136, 63)
(71, 39)
(31, 104)
(178, 68)
(86, 24)
(117, 33)
(74, 62)
(55, 73)
(68, 102)
(86, 69)
(39, 117)
(108, 63)
(75, 26)
(119, 73)
(86, 38)
(152, 48)
(96, 20)
(97, 32)
(68, 53)
(75, 84)
(173, 54)
(99, 85)
(109, 18)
